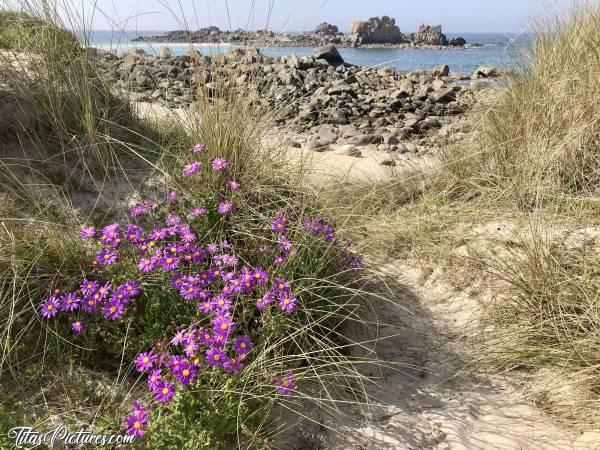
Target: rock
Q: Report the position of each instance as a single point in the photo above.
(429, 35)
(376, 31)
(388, 162)
(441, 70)
(326, 29)
(340, 88)
(164, 52)
(330, 54)
(390, 139)
(444, 95)
(457, 42)
(366, 139)
(485, 72)
(437, 84)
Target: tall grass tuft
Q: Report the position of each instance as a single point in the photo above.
(539, 139)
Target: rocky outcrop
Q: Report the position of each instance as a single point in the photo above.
(326, 29)
(376, 31)
(429, 35)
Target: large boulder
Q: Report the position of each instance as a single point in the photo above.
(376, 31)
(429, 35)
(330, 54)
(165, 52)
(326, 29)
(457, 42)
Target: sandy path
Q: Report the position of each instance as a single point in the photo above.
(429, 407)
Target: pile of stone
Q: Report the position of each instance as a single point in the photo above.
(327, 102)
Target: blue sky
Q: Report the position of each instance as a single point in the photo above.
(296, 15)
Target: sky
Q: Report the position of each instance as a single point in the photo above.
(299, 15)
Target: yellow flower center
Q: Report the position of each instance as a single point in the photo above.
(285, 383)
(169, 260)
(186, 373)
(165, 391)
(113, 309)
(50, 307)
(106, 256)
(216, 357)
(137, 424)
(286, 302)
(147, 262)
(243, 345)
(224, 326)
(77, 324)
(146, 359)
(91, 302)
(190, 289)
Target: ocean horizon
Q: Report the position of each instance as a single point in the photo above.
(495, 50)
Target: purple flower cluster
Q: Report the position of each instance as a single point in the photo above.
(212, 276)
(90, 298)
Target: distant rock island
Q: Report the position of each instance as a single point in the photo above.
(375, 32)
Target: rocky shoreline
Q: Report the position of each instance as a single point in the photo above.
(329, 104)
(373, 33)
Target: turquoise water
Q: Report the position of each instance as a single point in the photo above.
(497, 50)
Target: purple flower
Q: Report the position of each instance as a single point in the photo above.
(264, 301)
(221, 303)
(178, 338)
(205, 337)
(287, 384)
(88, 287)
(147, 264)
(135, 424)
(233, 365)
(197, 211)
(90, 304)
(206, 306)
(70, 302)
(173, 220)
(233, 185)
(169, 262)
(185, 373)
(113, 309)
(106, 257)
(177, 281)
(191, 168)
(164, 391)
(219, 164)
(87, 232)
(215, 357)
(174, 362)
(191, 347)
(279, 224)
(78, 326)
(50, 308)
(198, 148)
(104, 290)
(171, 196)
(188, 237)
(212, 248)
(145, 361)
(281, 286)
(279, 260)
(287, 303)
(242, 344)
(223, 326)
(189, 291)
(154, 378)
(225, 207)
(130, 288)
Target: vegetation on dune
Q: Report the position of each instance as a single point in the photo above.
(218, 206)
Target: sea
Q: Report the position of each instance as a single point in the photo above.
(483, 49)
